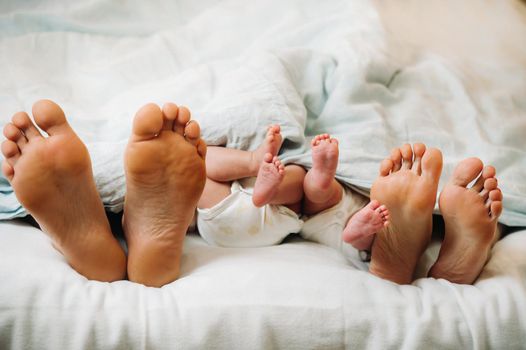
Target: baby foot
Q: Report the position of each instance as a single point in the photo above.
(470, 217)
(52, 179)
(320, 178)
(165, 176)
(270, 176)
(407, 185)
(271, 144)
(364, 224)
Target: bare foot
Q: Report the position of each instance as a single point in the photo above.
(270, 176)
(322, 191)
(470, 216)
(364, 224)
(165, 176)
(271, 144)
(407, 186)
(53, 180)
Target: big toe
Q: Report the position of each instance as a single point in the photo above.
(148, 122)
(50, 117)
(466, 171)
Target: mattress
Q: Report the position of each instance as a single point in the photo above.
(373, 74)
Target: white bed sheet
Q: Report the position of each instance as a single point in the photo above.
(298, 295)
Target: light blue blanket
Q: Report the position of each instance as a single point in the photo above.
(330, 69)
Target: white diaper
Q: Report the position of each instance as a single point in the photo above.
(327, 227)
(236, 222)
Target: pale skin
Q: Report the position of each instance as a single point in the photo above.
(323, 191)
(287, 185)
(407, 185)
(275, 184)
(165, 174)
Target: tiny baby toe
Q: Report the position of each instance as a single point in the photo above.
(374, 204)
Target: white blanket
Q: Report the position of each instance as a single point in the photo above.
(334, 66)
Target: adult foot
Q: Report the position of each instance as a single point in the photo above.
(470, 217)
(407, 186)
(165, 176)
(270, 176)
(364, 224)
(271, 144)
(52, 178)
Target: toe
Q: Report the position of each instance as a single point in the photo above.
(386, 167)
(170, 111)
(274, 129)
(12, 133)
(22, 121)
(148, 123)
(10, 151)
(267, 158)
(374, 204)
(407, 156)
(201, 148)
(495, 210)
(192, 132)
(396, 158)
(479, 184)
(466, 171)
(487, 172)
(8, 170)
(50, 117)
(183, 117)
(495, 195)
(419, 150)
(489, 185)
(432, 164)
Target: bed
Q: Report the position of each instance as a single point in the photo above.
(450, 74)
